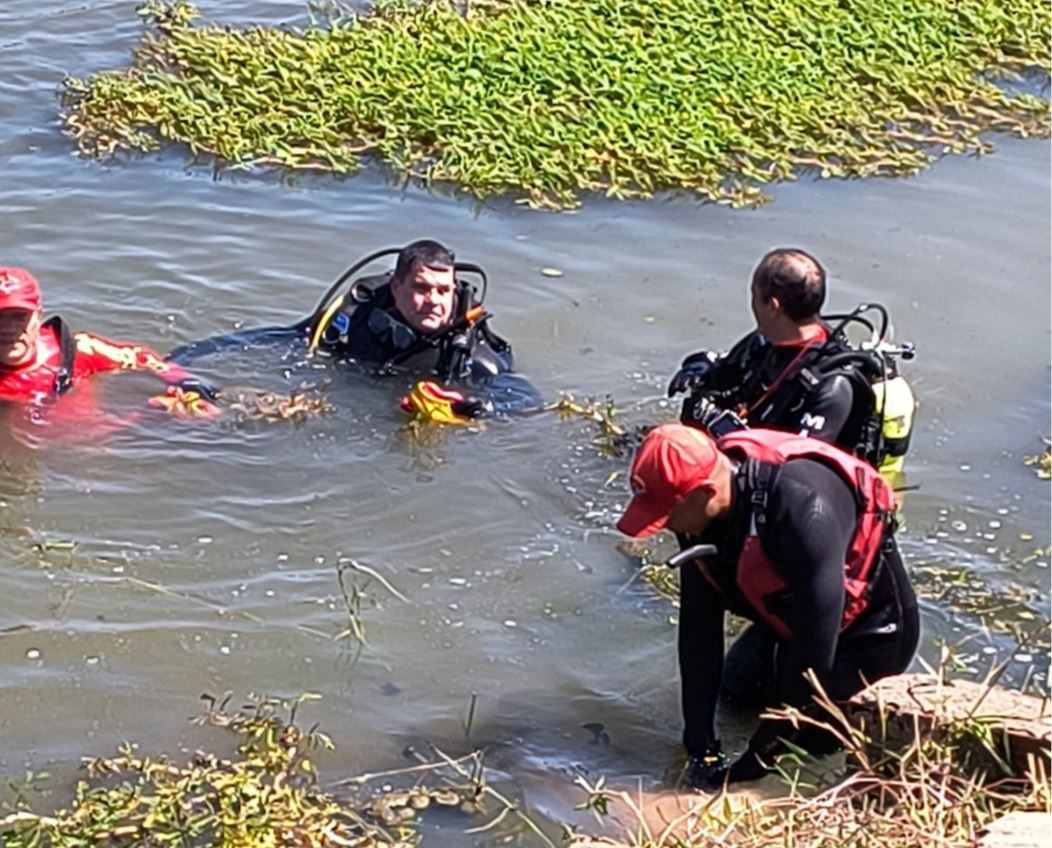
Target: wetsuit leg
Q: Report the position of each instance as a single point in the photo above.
(870, 654)
(749, 673)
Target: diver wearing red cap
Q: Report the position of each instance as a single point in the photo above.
(40, 360)
(805, 549)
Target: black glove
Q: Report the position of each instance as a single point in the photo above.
(473, 406)
(192, 384)
(693, 374)
(698, 411)
(708, 771)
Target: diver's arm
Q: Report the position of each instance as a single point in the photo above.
(185, 395)
(700, 639)
(828, 409)
(713, 381)
(506, 393)
(96, 354)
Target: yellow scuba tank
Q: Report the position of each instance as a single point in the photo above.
(895, 404)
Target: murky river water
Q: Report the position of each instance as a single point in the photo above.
(205, 555)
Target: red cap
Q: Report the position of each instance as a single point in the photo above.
(670, 464)
(18, 289)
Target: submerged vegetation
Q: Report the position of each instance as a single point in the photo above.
(551, 99)
(265, 796)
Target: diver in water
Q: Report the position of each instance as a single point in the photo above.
(41, 360)
(422, 316)
(797, 371)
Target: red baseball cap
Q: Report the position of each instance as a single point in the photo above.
(670, 464)
(18, 289)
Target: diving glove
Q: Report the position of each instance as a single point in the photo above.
(429, 401)
(709, 771)
(693, 374)
(203, 389)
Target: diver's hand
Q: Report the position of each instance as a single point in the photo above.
(203, 389)
(182, 403)
(473, 406)
(708, 772)
(699, 411)
(693, 374)
(431, 402)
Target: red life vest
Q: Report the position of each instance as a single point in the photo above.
(758, 579)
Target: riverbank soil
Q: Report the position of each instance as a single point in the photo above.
(1018, 830)
(994, 727)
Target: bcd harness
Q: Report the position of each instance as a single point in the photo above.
(881, 418)
(454, 347)
(756, 582)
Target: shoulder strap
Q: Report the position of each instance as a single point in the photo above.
(67, 346)
(760, 477)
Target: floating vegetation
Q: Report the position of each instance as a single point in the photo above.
(613, 439)
(551, 99)
(1042, 462)
(1012, 609)
(664, 581)
(271, 406)
(268, 795)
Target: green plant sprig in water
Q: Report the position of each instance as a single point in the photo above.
(552, 99)
(264, 797)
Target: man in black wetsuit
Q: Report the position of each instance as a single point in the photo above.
(770, 378)
(425, 319)
(804, 544)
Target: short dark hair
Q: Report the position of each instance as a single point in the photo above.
(423, 252)
(796, 278)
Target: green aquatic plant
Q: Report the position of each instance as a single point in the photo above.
(551, 99)
(267, 795)
(1041, 462)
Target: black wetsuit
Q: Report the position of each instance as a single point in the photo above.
(766, 380)
(472, 358)
(811, 518)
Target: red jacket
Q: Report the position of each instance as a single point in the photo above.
(35, 382)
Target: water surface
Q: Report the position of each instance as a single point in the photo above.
(206, 553)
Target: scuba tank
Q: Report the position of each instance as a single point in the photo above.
(895, 404)
(887, 436)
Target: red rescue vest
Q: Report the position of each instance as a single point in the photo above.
(758, 579)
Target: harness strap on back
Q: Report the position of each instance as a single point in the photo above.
(67, 346)
(761, 477)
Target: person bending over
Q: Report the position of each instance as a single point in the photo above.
(804, 544)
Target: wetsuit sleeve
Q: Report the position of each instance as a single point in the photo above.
(701, 617)
(508, 393)
(812, 520)
(828, 410)
(96, 355)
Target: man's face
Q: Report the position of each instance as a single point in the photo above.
(425, 298)
(691, 514)
(19, 329)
